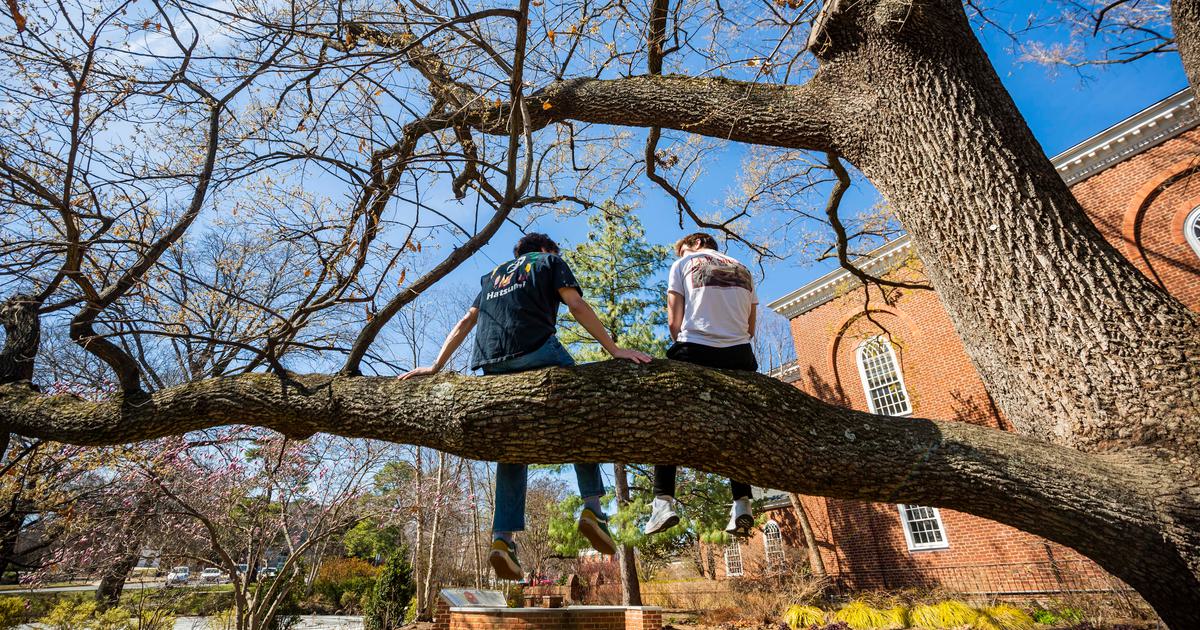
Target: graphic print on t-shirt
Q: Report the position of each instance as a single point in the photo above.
(518, 306)
(517, 270)
(718, 271)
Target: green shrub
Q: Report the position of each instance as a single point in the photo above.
(341, 594)
(157, 619)
(1003, 617)
(799, 617)
(69, 615)
(411, 613)
(860, 616)
(1045, 617)
(12, 612)
(392, 592)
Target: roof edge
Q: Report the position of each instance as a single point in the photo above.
(1137, 133)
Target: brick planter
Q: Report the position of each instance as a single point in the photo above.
(569, 618)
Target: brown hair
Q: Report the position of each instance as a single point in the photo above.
(702, 239)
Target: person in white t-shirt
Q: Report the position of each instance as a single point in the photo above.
(711, 305)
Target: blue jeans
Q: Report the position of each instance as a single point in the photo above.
(511, 479)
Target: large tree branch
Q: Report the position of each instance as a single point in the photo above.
(799, 443)
(793, 116)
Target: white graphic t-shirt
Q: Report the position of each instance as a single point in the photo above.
(718, 292)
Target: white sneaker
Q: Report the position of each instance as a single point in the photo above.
(662, 515)
(741, 521)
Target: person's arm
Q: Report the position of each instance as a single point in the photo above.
(453, 341)
(675, 314)
(587, 318)
(753, 314)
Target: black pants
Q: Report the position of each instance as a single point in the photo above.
(731, 358)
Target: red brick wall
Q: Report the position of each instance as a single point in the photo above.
(1139, 206)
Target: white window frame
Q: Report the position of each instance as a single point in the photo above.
(1189, 230)
(908, 536)
(862, 373)
(774, 556)
(733, 549)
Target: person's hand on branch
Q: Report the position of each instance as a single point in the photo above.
(453, 341)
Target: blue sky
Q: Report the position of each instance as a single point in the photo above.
(1062, 108)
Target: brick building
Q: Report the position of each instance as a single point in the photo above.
(1139, 180)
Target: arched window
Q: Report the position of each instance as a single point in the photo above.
(773, 545)
(1191, 229)
(881, 378)
(733, 560)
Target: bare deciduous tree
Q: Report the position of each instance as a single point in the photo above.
(429, 125)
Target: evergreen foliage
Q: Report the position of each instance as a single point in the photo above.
(394, 589)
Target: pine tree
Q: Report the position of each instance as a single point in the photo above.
(616, 267)
(393, 591)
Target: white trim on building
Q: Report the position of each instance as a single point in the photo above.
(923, 528)
(733, 560)
(1191, 230)
(881, 377)
(1148, 128)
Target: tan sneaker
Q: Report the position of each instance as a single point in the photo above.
(596, 531)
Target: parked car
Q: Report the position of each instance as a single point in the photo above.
(212, 575)
(179, 576)
(268, 573)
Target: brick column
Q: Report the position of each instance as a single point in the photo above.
(643, 618)
(441, 615)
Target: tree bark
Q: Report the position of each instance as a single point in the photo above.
(1185, 20)
(815, 562)
(22, 336)
(631, 590)
(112, 582)
(1074, 343)
(1133, 512)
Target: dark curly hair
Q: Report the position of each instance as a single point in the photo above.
(535, 242)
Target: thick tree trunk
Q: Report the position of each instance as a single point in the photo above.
(22, 336)
(112, 582)
(631, 590)
(815, 562)
(1075, 344)
(1133, 512)
(1185, 20)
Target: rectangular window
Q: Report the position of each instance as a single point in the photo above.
(922, 527)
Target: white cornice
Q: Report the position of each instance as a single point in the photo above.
(1151, 126)
(1141, 131)
(819, 291)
